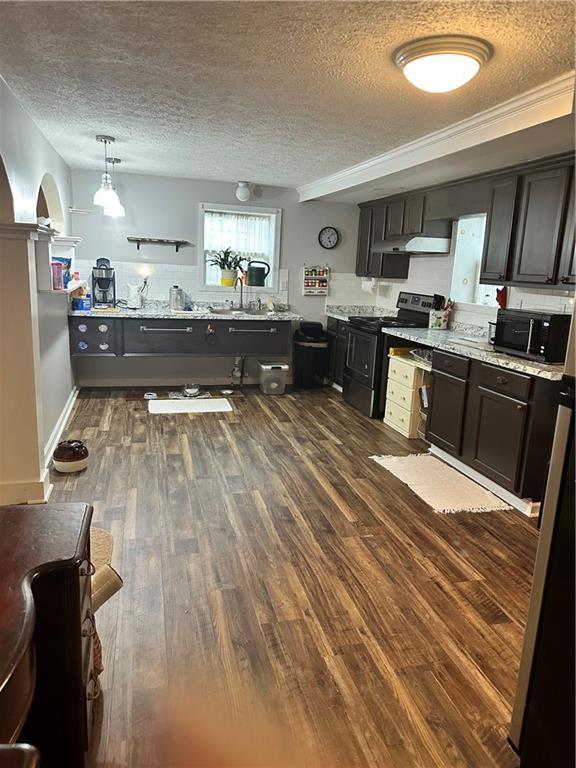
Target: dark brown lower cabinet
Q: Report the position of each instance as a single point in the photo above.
(498, 422)
(445, 421)
(338, 335)
(495, 426)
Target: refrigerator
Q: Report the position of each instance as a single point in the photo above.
(542, 725)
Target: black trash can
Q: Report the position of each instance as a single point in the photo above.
(311, 356)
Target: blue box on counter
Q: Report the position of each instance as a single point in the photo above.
(83, 303)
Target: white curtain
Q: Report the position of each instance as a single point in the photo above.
(248, 234)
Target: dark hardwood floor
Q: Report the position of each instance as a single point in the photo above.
(268, 563)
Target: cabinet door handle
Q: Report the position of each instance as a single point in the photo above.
(146, 329)
(565, 279)
(549, 280)
(519, 407)
(501, 380)
(530, 332)
(252, 330)
(89, 571)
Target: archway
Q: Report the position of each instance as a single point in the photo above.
(6, 200)
(48, 203)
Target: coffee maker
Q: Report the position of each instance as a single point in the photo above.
(103, 284)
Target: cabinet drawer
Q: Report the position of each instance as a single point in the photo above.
(401, 395)
(452, 364)
(401, 419)
(502, 380)
(402, 372)
(146, 336)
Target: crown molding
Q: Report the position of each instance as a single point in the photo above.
(546, 102)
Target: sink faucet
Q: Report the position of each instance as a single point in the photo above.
(239, 280)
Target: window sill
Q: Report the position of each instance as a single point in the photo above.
(230, 289)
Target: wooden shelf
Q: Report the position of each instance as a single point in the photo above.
(159, 241)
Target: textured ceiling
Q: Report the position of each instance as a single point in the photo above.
(273, 92)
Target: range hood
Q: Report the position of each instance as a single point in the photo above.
(413, 244)
(435, 238)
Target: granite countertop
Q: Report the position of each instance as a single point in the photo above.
(452, 341)
(163, 312)
(346, 311)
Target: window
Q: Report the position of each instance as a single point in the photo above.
(468, 263)
(253, 233)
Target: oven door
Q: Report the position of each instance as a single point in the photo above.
(361, 356)
(519, 335)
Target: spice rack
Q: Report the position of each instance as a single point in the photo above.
(315, 280)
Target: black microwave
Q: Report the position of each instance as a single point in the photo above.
(535, 335)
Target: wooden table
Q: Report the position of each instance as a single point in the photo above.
(46, 625)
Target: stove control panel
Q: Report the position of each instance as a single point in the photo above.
(419, 302)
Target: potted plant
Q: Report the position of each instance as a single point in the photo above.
(229, 264)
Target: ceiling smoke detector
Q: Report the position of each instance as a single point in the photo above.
(243, 191)
(442, 63)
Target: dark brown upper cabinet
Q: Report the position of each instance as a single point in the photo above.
(364, 241)
(405, 217)
(377, 234)
(372, 229)
(413, 222)
(499, 226)
(529, 236)
(539, 229)
(567, 270)
(395, 219)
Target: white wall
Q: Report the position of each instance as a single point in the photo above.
(157, 206)
(27, 156)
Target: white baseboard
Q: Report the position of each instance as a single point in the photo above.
(26, 492)
(337, 387)
(54, 438)
(525, 506)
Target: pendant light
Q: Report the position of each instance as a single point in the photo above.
(113, 207)
(442, 63)
(105, 195)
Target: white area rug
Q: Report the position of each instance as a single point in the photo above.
(440, 486)
(203, 405)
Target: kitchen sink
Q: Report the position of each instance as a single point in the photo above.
(256, 311)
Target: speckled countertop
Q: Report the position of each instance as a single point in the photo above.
(345, 311)
(452, 341)
(160, 311)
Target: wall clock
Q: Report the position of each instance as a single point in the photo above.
(328, 237)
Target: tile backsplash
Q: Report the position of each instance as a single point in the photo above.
(163, 276)
(434, 275)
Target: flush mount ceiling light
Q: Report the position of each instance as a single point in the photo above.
(442, 63)
(106, 195)
(243, 191)
(113, 207)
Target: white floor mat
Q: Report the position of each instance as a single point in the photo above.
(205, 405)
(439, 485)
